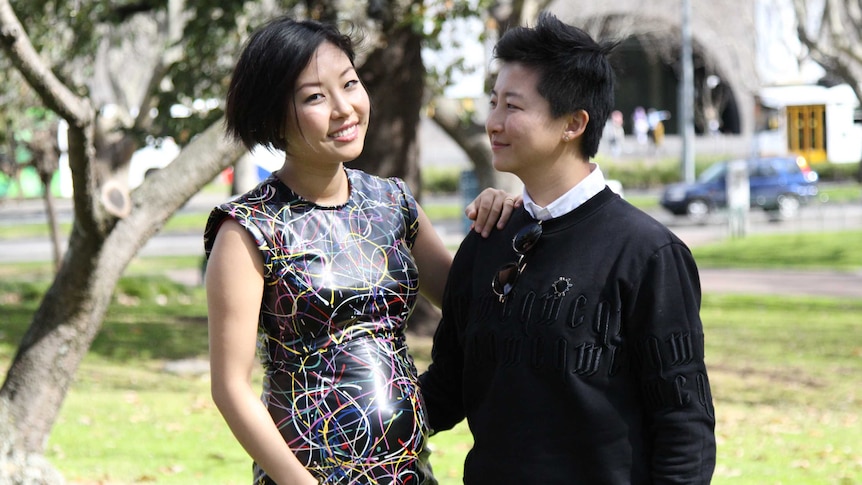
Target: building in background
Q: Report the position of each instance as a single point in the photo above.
(751, 87)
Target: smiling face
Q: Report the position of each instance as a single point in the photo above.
(524, 135)
(327, 118)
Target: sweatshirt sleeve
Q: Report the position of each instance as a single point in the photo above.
(669, 361)
(442, 384)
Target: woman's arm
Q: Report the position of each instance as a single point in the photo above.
(234, 284)
(432, 259)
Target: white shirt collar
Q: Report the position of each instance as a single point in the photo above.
(586, 189)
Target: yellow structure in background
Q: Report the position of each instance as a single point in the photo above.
(806, 131)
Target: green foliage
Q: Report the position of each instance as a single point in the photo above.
(441, 180)
(432, 21)
(67, 33)
(214, 37)
(641, 174)
(68, 36)
(837, 172)
(648, 173)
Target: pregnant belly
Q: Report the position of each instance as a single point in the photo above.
(355, 402)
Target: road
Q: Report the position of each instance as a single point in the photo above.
(818, 217)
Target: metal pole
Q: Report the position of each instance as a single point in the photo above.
(686, 95)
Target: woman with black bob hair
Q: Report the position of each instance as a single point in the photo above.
(316, 270)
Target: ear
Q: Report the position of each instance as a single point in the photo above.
(575, 125)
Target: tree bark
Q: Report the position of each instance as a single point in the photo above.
(102, 241)
(71, 313)
(46, 160)
(395, 78)
(835, 43)
(72, 310)
(53, 224)
(470, 135)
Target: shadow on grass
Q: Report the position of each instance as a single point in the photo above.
(150, 317)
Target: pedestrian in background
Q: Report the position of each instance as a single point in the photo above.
(615, 133)
(640, 125)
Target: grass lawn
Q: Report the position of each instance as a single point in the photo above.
(839, 250)
(784, 371)
(784, 375)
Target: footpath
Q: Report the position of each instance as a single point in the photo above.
(790, 282)
(713, 280)
(781, 282)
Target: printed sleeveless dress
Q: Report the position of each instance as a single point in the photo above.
(340, 283)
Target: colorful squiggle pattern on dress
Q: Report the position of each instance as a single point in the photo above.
(340, 284)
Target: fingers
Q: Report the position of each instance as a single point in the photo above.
(480, 210)
(491, 208)
(509, 204)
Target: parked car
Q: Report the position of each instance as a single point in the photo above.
(778, 185)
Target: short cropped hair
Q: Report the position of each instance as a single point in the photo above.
(574, 71)
(264, 78)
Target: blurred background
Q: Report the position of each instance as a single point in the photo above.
(737, 124)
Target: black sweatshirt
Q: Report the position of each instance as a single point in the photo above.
(592, 371)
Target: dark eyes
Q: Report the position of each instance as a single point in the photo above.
(318, 96)
(493, 105)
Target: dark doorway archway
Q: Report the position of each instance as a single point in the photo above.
(648, 76)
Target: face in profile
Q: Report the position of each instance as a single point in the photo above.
(327, 118)
(522, 132)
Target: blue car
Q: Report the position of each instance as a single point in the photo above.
(778, 185)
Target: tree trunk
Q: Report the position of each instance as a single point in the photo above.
(46, 160)
(469, 135)
(71, 313)
(102, 243)
(395, 78)
(53, 224)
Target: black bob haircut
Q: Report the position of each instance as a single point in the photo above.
(264, 78)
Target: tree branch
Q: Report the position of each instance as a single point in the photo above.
(175, 21)
(51, 90)
(831, 47)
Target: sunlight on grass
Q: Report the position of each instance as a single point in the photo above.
(784, 373)
(842, 193)
(840, 250)
(787, 404)
(441, 211)
(176, 436)
(448, 450)
(784, 377)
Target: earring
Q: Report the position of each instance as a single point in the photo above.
(566, 138)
